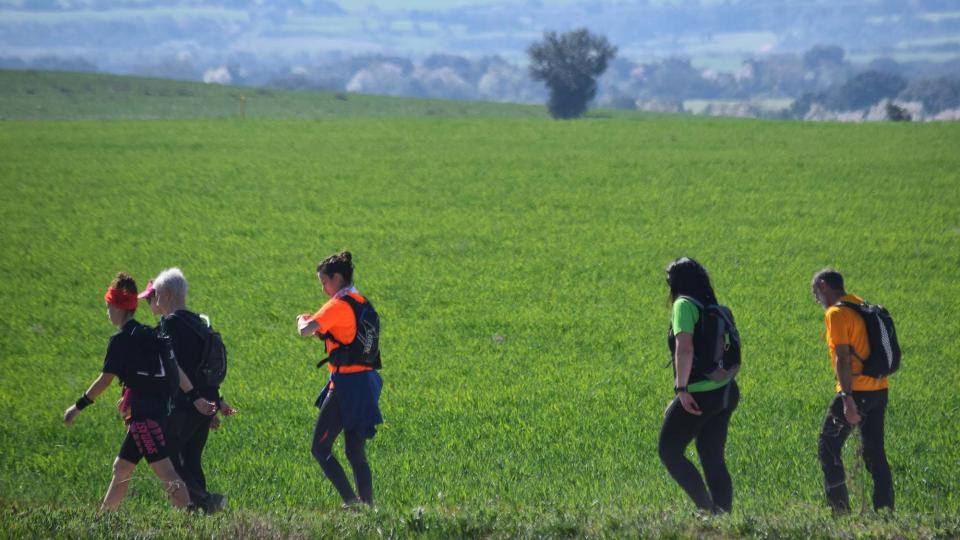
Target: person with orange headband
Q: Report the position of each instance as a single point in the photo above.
(349, 402)
(150, 375)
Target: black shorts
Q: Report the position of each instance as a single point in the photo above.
(145, 439)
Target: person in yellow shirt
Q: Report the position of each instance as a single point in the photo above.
(860, 400)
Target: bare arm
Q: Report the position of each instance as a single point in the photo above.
(845, 378)
(185, 385)
(204, 406)
(102, 382)
(845, 368)
(683, 358)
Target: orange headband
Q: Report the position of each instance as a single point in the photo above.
(121, 299)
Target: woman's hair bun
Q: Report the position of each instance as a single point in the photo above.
(341, 263)
(125, 282)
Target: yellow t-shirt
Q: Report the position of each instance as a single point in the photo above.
(845, 327)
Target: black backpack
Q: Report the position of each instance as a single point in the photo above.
(154, 370)
(212, 368)
(716, 341)
(884, 356)
(364, 350)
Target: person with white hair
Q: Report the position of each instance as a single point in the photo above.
(188, 425)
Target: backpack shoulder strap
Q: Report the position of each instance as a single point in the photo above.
(692, 300)
(354, 306)
(856, 309)
(351, 301)
(724, 313)
(201, 330)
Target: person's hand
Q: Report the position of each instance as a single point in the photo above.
(302, 321)
(205, 407)
(850, 411)
(215, 422)
(226, 409)
(70, 415)
(688, 403)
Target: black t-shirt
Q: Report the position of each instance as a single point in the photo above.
(125, 353)
(182, 327)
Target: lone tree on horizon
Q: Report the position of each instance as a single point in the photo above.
(569, 64)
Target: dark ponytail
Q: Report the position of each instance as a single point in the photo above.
(341, 263)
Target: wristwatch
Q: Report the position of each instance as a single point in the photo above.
(678, 389)
(844, 394)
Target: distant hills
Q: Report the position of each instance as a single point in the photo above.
(57, 95)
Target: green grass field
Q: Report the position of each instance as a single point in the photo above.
(518, 266)
(42, 95)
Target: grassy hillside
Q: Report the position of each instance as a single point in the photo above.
(518, 266)
(81, 96)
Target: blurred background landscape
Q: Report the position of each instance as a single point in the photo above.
(823, 60)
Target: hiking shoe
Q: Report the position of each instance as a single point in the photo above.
(216, 502)
(354, 506)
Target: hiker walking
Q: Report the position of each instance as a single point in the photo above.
(349, 402)
(705, 348)
(150, 376)
(189, 426)
(861, 399)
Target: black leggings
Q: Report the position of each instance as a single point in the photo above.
(187, 430)
(872, 407)
(329, 425)
(710, 431)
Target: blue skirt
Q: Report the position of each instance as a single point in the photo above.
(359, 397)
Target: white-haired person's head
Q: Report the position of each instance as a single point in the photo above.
(171, 287)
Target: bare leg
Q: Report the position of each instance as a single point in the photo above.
(122, 473)
(172, 484)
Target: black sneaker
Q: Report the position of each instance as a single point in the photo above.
(216, 502)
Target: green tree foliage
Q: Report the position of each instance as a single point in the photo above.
(896, 113)
(569, 64)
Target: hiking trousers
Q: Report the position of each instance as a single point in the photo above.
(187, 432)
(710, 431)
(872, 407)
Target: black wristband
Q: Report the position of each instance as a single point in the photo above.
(678, 389)
(83, 402)
(193, 394)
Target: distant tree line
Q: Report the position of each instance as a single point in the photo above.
(871, 87)
(822, 77)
